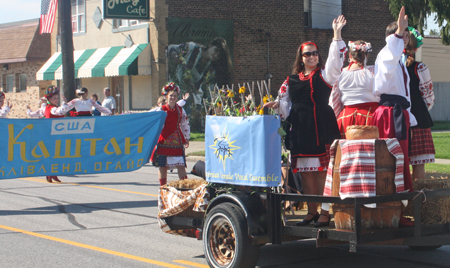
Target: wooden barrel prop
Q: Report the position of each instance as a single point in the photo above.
(385, 215)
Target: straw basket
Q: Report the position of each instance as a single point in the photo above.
(434, 210)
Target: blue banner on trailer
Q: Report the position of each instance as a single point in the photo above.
(78, 145)
(243, 150)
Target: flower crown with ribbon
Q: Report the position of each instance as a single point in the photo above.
(418, 36)
(50, 91)
(168, 87)
(367, 47)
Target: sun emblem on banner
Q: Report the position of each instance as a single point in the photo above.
(223, 147)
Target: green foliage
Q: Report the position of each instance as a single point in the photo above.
(441, 144)
(439, 168)
(441, 125)
(418, 10)
(197, 136)
(199, 153)
(442, 9)
(434, 32)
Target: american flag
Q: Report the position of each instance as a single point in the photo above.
(48, 13)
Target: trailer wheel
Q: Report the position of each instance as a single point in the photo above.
(225, 238)
(424, 248)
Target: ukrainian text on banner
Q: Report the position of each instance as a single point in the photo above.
(79, 145)
(243, 150)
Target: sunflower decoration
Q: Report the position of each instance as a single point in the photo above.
(242, 90)
(230, 94)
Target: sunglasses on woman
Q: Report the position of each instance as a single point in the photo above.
(309, 54)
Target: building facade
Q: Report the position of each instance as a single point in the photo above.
(437, 57)
(23, 53)
(201, 43)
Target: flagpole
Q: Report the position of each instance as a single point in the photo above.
(65, 19)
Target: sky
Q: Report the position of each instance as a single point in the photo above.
(16, 10)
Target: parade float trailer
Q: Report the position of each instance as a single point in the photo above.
(242, 207)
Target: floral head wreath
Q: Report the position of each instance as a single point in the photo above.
(168, 87)
(50, 91)
(417, 35)
(367, 47)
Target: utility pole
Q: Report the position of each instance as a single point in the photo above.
(65, 19)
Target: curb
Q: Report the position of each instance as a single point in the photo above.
(442, 161)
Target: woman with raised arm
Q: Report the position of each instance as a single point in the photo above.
(351, 98)
(303, 101)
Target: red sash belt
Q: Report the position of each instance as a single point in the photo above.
(74, 114)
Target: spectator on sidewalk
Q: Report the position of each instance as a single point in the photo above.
(109, 102)
(94, 111)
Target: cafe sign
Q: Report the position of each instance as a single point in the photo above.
(126, 9)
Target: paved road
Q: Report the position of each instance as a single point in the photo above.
(109, 220)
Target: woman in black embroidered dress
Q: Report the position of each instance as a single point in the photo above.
(303, 99)
(421, 149)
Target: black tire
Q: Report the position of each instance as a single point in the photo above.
(424, 248)
(225, 238)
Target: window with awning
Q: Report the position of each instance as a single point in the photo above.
(100, 62)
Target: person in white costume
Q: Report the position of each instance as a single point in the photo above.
(6, 108)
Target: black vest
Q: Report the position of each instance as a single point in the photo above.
(418, 107)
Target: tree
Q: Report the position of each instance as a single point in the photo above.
(418, 10)
(434, 32)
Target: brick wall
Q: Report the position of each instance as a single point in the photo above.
(35, 89)
(282, 23)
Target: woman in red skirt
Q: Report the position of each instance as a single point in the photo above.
(50, 109)
(174, 136)
(352, 99)
(422, 100)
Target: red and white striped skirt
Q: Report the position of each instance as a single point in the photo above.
(422, 146)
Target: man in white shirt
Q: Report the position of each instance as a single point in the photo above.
(109, 102)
